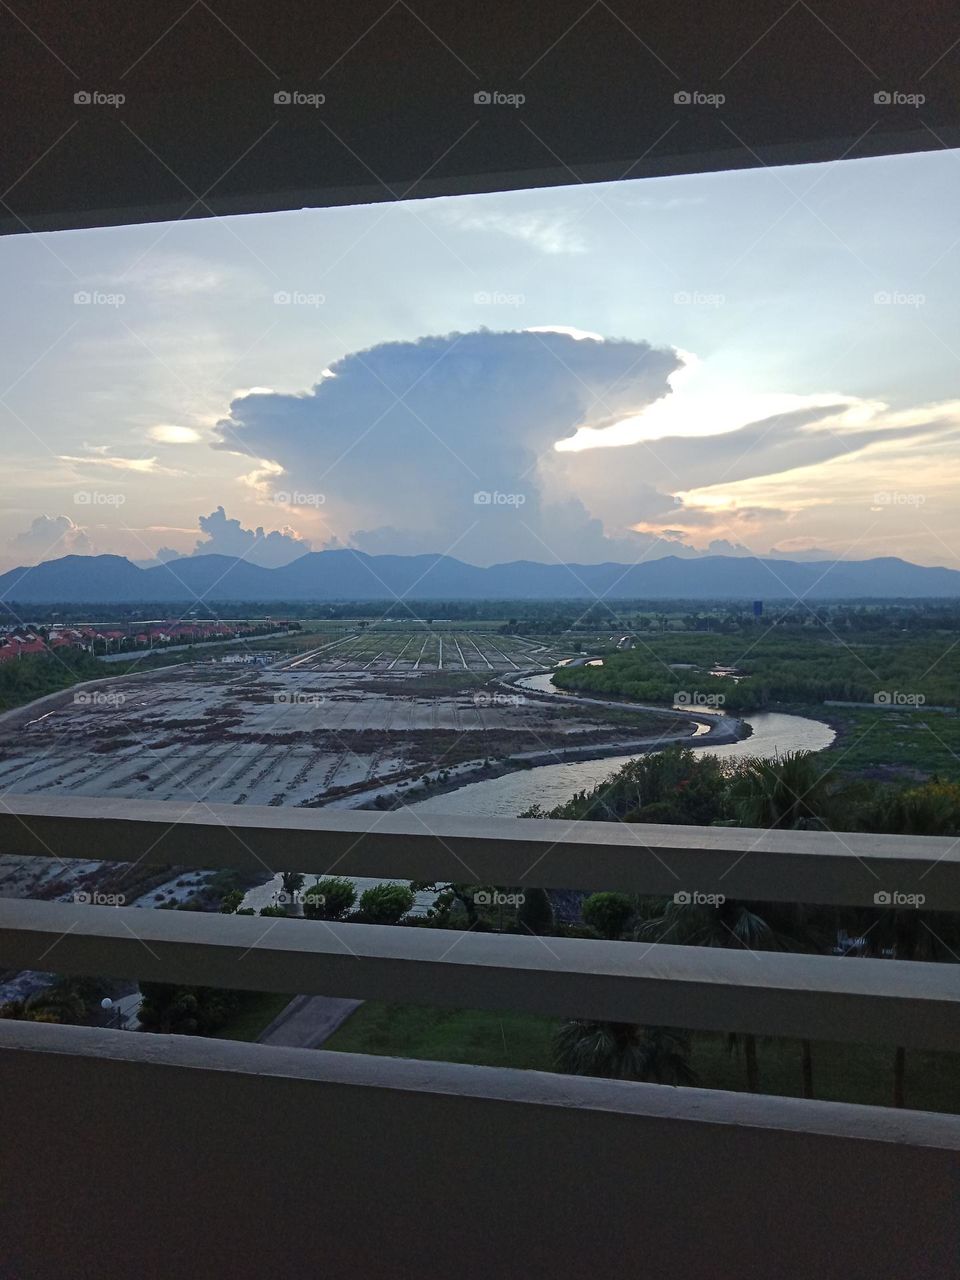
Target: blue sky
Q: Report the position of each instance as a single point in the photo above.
(763, 361)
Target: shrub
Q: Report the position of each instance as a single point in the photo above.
(187, 1011)
(292, 882)
(385, 903)
(608, 913)
(329, 899)
(223, 881)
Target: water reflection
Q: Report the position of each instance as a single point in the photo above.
(552, 784)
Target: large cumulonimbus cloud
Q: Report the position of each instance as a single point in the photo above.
(446, 444)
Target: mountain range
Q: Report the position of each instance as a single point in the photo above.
(353, 575)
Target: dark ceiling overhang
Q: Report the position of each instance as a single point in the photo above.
(200, 131)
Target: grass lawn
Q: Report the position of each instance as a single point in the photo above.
(447, 1035)
(258, 1011)
(841, 1073)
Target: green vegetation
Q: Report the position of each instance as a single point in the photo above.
(535, 914)
(256, 1011)
(890, 743)
(329, 899)
(292, 882)
(208, 1011)
(797, 790)
(187, 1011)
(608, 913)
(672, 785)
(842, 1072)
(35, 675)
(385, 903)
(789, 666)
(69, 1000)
(447, 1035)
(793, 792)
(623, 1051)
(794, 663)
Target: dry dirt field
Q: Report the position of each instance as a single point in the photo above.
(322, 725)
(376, 709)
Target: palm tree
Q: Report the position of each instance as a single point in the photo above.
(780, 927)
(624, 1051)
(788, 792)
(292, 882)
(932, 809)
(906, 934)
(792, 791)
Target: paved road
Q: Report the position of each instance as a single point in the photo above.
(307, 1021)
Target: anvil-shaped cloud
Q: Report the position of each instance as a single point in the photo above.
(448, 444)
(436, 445)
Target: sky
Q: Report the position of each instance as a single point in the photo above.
(761, 362)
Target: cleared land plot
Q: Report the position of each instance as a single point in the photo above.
(324, 725)
(375, 649)
(331, 724)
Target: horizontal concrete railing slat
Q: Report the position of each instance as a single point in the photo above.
(759, 865)
(916, 1005)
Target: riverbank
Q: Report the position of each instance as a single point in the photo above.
(548, 786)
(710, 730)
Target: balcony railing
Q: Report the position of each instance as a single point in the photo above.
(254, 1159)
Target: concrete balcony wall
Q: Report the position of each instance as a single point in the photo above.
(160, 1156)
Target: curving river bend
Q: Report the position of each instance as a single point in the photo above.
(551, 784)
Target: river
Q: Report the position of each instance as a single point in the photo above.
(551, 784)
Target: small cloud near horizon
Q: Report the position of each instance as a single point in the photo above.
(49, 538)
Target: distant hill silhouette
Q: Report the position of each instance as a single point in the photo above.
(353, 575)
